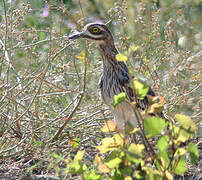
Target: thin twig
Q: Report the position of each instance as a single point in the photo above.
(66, 12)
(139, 117)
(39, 42)
(55, 137)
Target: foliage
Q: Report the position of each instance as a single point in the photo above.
(130, 160)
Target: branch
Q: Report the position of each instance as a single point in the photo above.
(55, 137)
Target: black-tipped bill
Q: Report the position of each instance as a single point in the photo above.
(76, 35)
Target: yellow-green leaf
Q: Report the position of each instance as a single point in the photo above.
(169, 175)
(183, 136)
(151, 173)
(163, 156)
(153, 126)
(109, 126)
(108, 144)
(119, 98)
(133, 131)
(141, 88)
(113, 163)
(121, 57)
(180, 152)
(133, 48)
(118, 139)
(79, 155)
(76, 143)
(185, 122)
(104, 149)
(136, 148)
(128, 178)
(181, 166)
(91, 175)
(193, 152)
(156, 108)
(162, 143)
(74, 167)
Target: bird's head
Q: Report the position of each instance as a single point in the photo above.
(99, 33)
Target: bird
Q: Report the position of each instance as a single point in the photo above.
(115, 77)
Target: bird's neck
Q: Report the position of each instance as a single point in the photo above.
(108, 52)
(111, 67)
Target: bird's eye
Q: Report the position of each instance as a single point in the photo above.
(95, 30)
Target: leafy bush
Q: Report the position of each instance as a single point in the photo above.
(125, 160)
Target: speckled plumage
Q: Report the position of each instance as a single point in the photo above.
(115, 77)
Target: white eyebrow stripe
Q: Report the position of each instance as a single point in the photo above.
(87, 32)
(94, 25)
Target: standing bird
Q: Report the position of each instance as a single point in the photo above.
(115, 77)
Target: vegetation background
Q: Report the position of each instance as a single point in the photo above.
(49, 97)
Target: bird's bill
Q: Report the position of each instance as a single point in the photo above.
(76, 35)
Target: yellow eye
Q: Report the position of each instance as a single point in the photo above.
(95, 30)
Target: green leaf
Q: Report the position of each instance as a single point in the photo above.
(134, 153)
(162, 143)
(39, 143)
(91, 175)
(133, 48)
(136, 149)
(153, 126)
(57, 156)
(128, 178)
(180, 152)
(185, 122)
(193, 152)
(141, 88)
(115, 154)
(113, 163)
(42, 35)
(116, 175)
(114, 159)
(151, 173)
(127, 171)
(163, 157)
(181, 166)
(183, 136)
(135, 158)
(76, 143)
(119, 98)
(34, 166)
(79, 155)
(138, 175)
(74, 167)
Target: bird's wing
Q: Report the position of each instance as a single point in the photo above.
(142, 104)
(124, 80)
